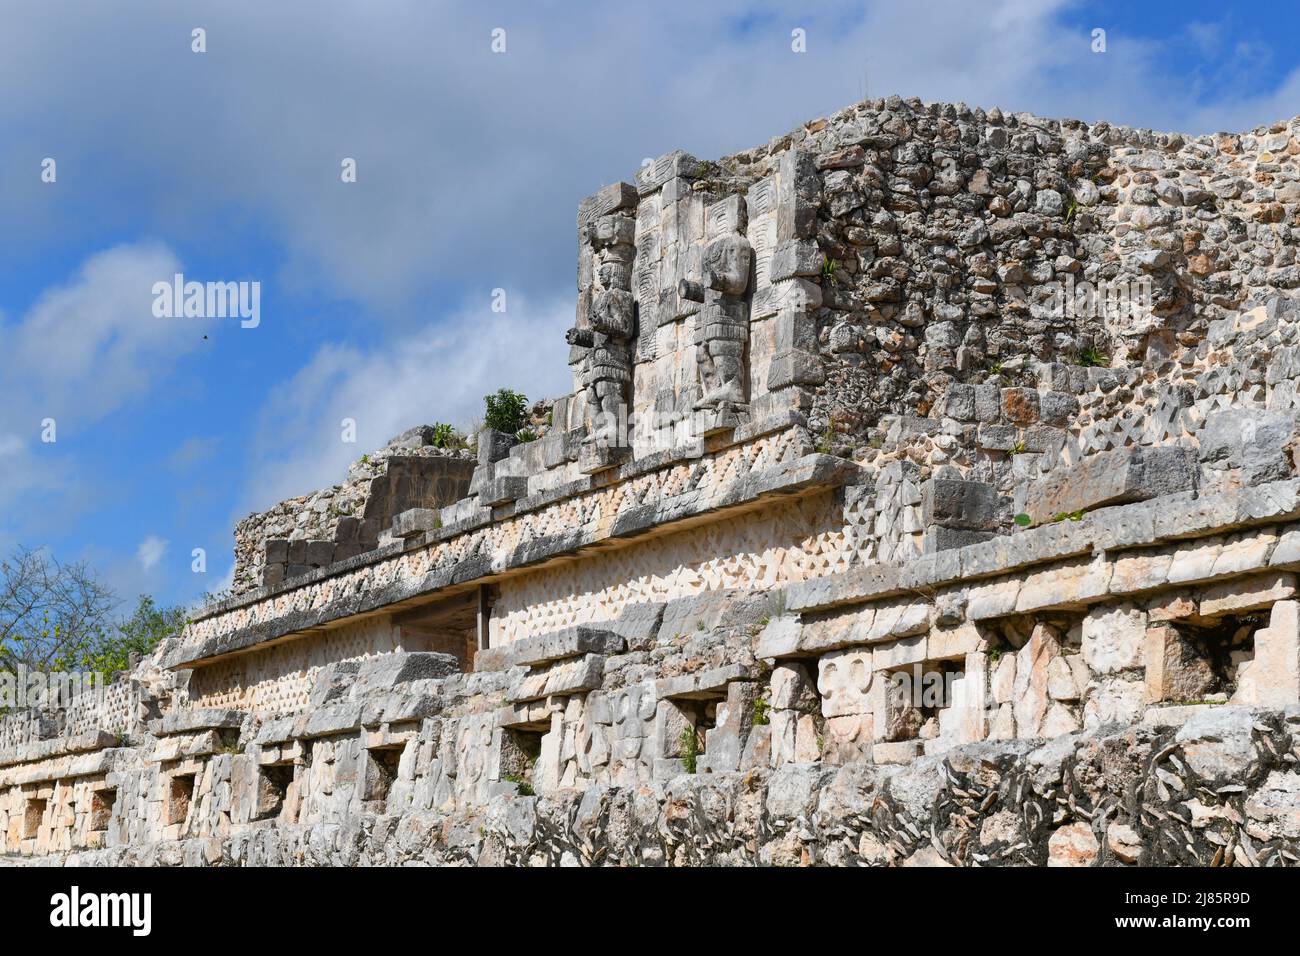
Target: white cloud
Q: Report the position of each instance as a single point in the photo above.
(150, 552)
(470, 164)
(439, 373)
(86, 347)
(92, 343)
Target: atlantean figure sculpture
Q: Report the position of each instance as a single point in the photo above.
(722, 325)
(604, 344)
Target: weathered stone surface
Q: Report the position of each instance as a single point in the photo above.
(1107, 478)
(1073, 845)
(1253, 440)
(812, 385)
(970, 505)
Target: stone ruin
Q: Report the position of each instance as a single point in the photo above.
(927, 495)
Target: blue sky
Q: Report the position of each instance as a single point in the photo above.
(225, 165)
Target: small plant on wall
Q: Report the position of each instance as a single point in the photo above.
(506, 411)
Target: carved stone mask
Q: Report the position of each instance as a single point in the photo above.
(726, 264)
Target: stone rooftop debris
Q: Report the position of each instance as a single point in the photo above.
(914, 462)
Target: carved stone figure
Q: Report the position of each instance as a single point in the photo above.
(606, 366)
(722, 328)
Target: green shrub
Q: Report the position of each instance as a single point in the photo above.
(1094, 357)
(506, 411)
(446, 436)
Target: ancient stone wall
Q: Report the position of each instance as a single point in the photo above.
(865, 537)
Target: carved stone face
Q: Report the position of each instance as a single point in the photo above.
(614, 275)
(727, 263)
(843, 679)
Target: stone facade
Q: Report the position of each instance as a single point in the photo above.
(867, 536)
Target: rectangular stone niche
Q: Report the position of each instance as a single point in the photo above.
(445, 627)
(913, 697)
(519, 751)
(33, 814)
(381, 771)
(274, 781)
(180, 794)
(101, 808)
(1194, 662)
(683, 728)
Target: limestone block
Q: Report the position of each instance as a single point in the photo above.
(995, 599)
(783, 724)
(780, 637)
(1251, 439)
(794, 329)
(1140, 571)
(1061, 684)
(848, 738)
(547, 770)
(671, 726)
(493, 446)
(1171, 606)
(795, 367)
(1112, 477)
(1030, 695)
(1114, 701)
(902, 751)
(836, 631)
(1195, 560)
(728, 739)
(964, 720)
(1073, 845)
(899, 619)
(1248, 551)
(1061, 718)
(798, 192)
(959, 503)
(1002, 723)
(1113, 638)
(572, 677)
(843, 680)
(416, 521)
(1066, 585)
(953, 643)
(1272, 679)
(894, 713)
(650, 177)
(1247, 594)
(1176, 669)
(1002, 683)
(792, 689)
(758, 748)
(900, 653)
(796, 257)
(807, 739)
(504, 489)
(701, 685)
(633, 710)
(550, 647)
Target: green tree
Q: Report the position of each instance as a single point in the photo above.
(131, 639)
(60, 617)
(49, 610)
